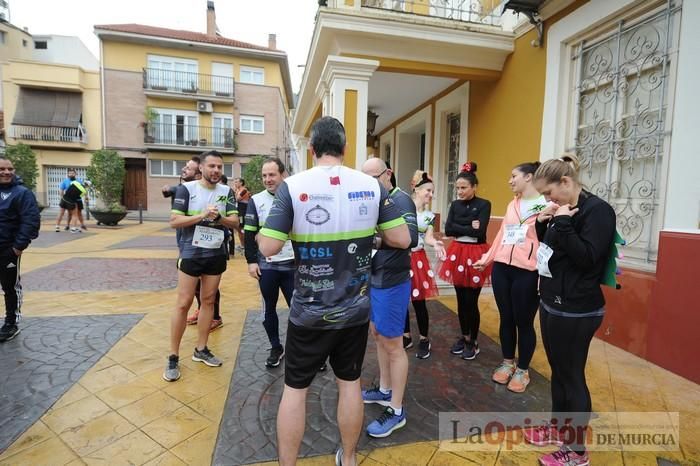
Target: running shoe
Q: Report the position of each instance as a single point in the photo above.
(275, 357)
(83, 227)
(374, 395)
(75, 230)
(192, 320)
(339, 457)
(458, 347)
(423, 349)
(546, 434)
(58, 229)
(565, 457)
(66, 228)
(407, 342)
(172, 370)
(471, 349)
(215, 323)
(206, 356)
(8, 332)
(519, 382)
(386, 423)
(503, 372)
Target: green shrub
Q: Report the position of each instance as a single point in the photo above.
(252, 174)
(107, 172)
(24, 160)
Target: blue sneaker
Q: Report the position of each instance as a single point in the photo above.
(386, 423)
(374, 395)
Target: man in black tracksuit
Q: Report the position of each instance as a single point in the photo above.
(19, 225)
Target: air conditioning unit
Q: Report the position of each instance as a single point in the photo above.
(204, 107)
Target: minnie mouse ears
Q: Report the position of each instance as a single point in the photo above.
(424, 179)
(469, 167)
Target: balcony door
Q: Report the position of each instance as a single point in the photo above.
(223, 130)
(172, 74)
(222, 79)
(176, 127)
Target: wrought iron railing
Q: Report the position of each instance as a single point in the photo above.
(49, 133)
(184, 82)
(471, 11)
(189, 135)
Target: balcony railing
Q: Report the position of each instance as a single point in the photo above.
(189, 135)
(49, 133)
(183, 82)
(470, 11)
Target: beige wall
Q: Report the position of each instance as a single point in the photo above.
(13, 49)
(262, 101)
(125, 105)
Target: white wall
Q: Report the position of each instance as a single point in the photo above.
(66, 50)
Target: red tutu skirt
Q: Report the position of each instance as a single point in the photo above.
(457, 268)
(423, 284)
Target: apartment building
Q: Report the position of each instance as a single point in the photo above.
(431, 84)
(170, 94)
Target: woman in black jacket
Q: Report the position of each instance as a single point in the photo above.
(576, 234)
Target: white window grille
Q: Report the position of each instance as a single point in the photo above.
(622, 121)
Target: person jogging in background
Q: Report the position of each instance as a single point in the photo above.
(19, 225)
(423, 284)
(514, 278)
(467, 221)
(576, 234)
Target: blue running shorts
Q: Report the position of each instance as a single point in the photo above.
(389, 308)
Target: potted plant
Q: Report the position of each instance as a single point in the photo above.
(106, 173)
(24, 160)
(148, 125)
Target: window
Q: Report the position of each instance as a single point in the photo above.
(222, 130)
(2, 37)
(621, 128)
(252, 75)
(41, 44)
(228, 171)
(167, 167)
(24, 42)
(242, 170)
(177, 127)
(252, 124)
(172, 74)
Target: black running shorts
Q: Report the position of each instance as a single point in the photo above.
(65, 204)
(202, 266)
(307, 349)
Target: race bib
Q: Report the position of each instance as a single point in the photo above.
(544, 253)
(287, 253)
(515, 234)
(207, 237)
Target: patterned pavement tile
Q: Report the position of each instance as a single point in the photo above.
(46, 359)
(95, 274)
(147, 242)
(248, 434)
(47, 239)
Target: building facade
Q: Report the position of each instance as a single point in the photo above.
(171, 94)
(456, 81)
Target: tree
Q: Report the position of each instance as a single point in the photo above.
(106, 173)
(24, 160)
(252, 174)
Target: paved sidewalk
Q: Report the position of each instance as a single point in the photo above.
(122, 412)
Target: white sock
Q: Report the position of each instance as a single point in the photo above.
(385, 391)
(397, 411)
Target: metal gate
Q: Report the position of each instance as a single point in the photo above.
(54, 177)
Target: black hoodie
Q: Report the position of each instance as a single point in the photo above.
(581, 245)
(19, 216)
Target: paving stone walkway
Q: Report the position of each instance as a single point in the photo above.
(443, 382)
(48, 356)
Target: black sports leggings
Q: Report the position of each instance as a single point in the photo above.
(566, 341)
(468, 311)
(421, 317)
(515, 290)
(271, 282)
(217, 300)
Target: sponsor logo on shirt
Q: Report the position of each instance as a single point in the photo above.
(318, 285)
(303, 197)
(361, 195)
(179, 201)
(315, 253)
(364, 261)
(352, 248)
(335, 180)
(5, 195)
(363, 210)
(320, 270)
(359, 279)
(318, 215)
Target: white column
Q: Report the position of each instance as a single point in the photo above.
(339, 75)
(683, 189)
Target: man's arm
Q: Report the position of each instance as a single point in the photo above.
(30, 222)
(279, 223)
(391, 225)
(251, 228)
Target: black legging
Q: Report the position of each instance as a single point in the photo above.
(271, 281)
(421, 317)
(515, 290)
(566, 341)
(217, 300)
(468, 311)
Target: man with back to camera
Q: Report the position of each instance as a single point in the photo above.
(19, 225)
(390, 296)
(203, 209)
(330, 306)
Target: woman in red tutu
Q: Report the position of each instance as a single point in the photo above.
(467, 221)
(423, 284)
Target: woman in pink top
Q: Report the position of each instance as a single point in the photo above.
(514, 278)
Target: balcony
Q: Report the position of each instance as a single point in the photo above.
(186, 85)
(183, 137)
(468, 11)
(48, 135)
